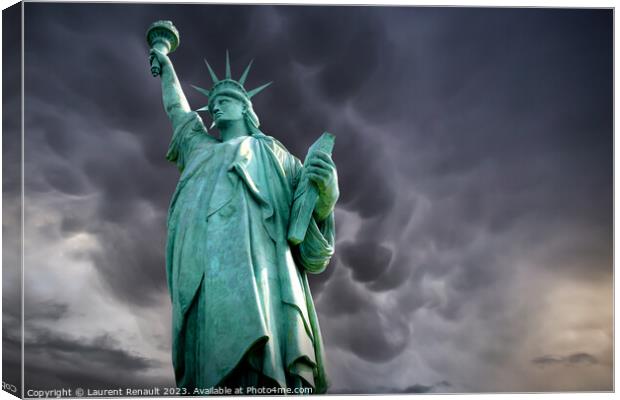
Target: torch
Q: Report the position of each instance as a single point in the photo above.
(163, 36)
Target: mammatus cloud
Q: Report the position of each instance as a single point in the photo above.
(474, 159)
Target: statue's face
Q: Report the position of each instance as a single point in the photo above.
(226, 109)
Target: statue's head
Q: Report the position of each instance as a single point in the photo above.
(230, 94)
(225, 109)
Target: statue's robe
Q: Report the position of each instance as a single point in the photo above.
(240, 294)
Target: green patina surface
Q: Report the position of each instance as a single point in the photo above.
(242, 309)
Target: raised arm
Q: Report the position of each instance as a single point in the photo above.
(175, 102)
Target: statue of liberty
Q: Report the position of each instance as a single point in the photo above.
(243, 315)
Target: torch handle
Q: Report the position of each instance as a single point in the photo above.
(155, 65)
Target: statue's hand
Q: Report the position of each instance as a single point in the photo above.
(164, 60)
(321, 170)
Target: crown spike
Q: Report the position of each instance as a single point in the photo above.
(228, 74)
(205, 108)
(245, 73)
(256, 91)
(201, 90)
(213, 76)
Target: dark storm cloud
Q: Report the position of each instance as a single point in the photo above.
(367, 259)
(582, 358)
(11, 99)
(102, 349)
(347, 302)
(348, 299)
(575, 358)
(469, 142)
(11, 187)
(387, 340)
(47, 311)
(439, 387)
(317, 41)
(11, 337)
(54, 360)
(488, 178)
(419, 388)
(363, 184)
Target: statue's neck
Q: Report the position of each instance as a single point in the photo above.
(233, 129)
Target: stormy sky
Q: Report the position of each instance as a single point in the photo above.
(474, 153)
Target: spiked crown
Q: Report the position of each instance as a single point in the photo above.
(231, 87)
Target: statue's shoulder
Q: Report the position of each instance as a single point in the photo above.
(270, 141)
(279, 152)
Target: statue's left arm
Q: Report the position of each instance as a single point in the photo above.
(317, 248)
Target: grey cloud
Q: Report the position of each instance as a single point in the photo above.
(363, 184)
(397, 274)
(11, 188)
(49, 310)
(343, 296)
(571, 359)
(367, 260)
(582, 358)
(363, 327)
(438, 387)
(131, 261)
(55, 360)
(315, 40)
(548, 360)
(11, 340)
(377, 345)
(381, 344)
